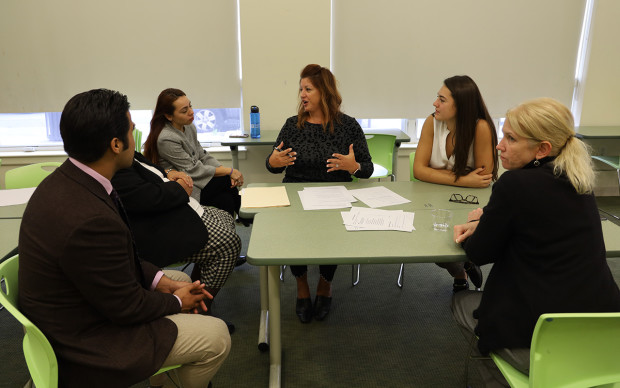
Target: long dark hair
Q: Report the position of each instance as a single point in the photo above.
(325, 82)
(163, 107)
(470, 108)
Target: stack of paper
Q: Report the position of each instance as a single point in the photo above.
(252, 197)
(378, 196)
(360, 218)
(327, 197)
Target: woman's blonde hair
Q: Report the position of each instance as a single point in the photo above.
(545, 119)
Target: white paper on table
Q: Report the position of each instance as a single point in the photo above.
(375, 219)
(12, 197)
(317, 200)
(333, 192)
(378, 196)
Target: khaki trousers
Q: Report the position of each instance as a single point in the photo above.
(202, 345)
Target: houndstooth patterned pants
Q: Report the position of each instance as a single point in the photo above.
(218, 257)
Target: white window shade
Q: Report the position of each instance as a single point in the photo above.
(601, 94)
(52, 50)
(391, 57)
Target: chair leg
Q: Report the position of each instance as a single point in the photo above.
(401, 275)
(355, 275)
(282, 268)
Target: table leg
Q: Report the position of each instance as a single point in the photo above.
(263, 330)
(234, 151)
(275, 347)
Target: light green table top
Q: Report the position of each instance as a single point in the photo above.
(9, 234)
(318, 237)
(594, 132)
(13, 211)
(422, 195)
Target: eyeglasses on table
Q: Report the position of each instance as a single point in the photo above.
(470, 199)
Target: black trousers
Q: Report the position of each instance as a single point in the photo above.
(219, 194)
(326, 271)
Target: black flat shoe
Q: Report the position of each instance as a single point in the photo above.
(303, 309)
(230, 326)
(474, 274)
(322, 304)
(459, 285)
(240, 260)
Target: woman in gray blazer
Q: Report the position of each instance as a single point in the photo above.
(173, 143)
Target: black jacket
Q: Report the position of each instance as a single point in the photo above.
(165, 228)
(546, 243)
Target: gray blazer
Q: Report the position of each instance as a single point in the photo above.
(183, 152)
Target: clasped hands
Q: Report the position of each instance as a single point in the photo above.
(236, 178)
(192, 295)
(463, 231)
(183, 179)
(286, 157)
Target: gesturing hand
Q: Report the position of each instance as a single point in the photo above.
(282, 157)
(343, 162)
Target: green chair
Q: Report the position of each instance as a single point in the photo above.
(570, 350)
(137, 136)
(411, 159)
(381, 148)
(612, 161)
(38, 352)
(28, 176)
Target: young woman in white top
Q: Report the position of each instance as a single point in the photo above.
(457, 147)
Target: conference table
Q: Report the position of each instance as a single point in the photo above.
(604, 140)
(319, 237)
(268, 138)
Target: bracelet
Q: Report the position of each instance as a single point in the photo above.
(474, 220)
(168, 171)
(231, 171)
(357, 169)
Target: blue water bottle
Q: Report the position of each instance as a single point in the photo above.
(254, 122)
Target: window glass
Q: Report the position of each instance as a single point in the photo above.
(23, 131)
(398, 124)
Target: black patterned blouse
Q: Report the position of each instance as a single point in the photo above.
(314, 146)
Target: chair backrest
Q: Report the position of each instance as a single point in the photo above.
(381, 148)
(575, 349)
(38, 352)
(28, 176)
(411, 159)
(137, 136)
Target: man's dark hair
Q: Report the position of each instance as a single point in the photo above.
(90, 120)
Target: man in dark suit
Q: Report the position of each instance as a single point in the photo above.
(112, 319)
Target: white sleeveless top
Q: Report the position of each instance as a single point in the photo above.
(439, 156)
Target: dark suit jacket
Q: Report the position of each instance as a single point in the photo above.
(166, 229)
(82, 285)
